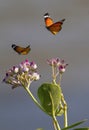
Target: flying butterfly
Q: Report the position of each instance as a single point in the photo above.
(54, 28)
(21, 50)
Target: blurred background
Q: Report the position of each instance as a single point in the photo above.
(22, 23)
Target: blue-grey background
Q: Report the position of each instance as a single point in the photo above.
(21, 22)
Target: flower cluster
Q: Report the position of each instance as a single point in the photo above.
(22, 74)
(60, 64)
(58, 67)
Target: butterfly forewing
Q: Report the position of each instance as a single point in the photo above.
(48, 22)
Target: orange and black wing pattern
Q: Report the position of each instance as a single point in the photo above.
(54, 28)
(21, 50)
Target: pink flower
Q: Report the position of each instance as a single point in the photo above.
(54, 62)
(22, 74)
(58, 63)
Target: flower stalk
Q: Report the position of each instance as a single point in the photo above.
(55, 123)
(65, 110)
(58, 68)
(33, 98)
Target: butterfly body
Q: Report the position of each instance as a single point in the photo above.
(21, 50)
(54, 28)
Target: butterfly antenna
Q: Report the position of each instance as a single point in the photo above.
(62, 20)
(28, 45)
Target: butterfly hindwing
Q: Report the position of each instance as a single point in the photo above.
(26, 50)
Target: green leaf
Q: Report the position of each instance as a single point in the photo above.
(74, 125)
(82, 128)
(49, 96)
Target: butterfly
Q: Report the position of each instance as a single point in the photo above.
(54, 28)
(21, 50)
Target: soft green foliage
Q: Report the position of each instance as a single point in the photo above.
(76, 124)
(50, 97)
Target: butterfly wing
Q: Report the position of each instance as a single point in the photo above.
(56, 27)
(48, 20)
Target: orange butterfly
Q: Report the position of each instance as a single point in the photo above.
(54, 28)
(21, 50)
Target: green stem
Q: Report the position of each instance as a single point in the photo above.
(54, 73)
(33, 98)
(55, 122)
(65, 111)
(60, 78)
(65, 117)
